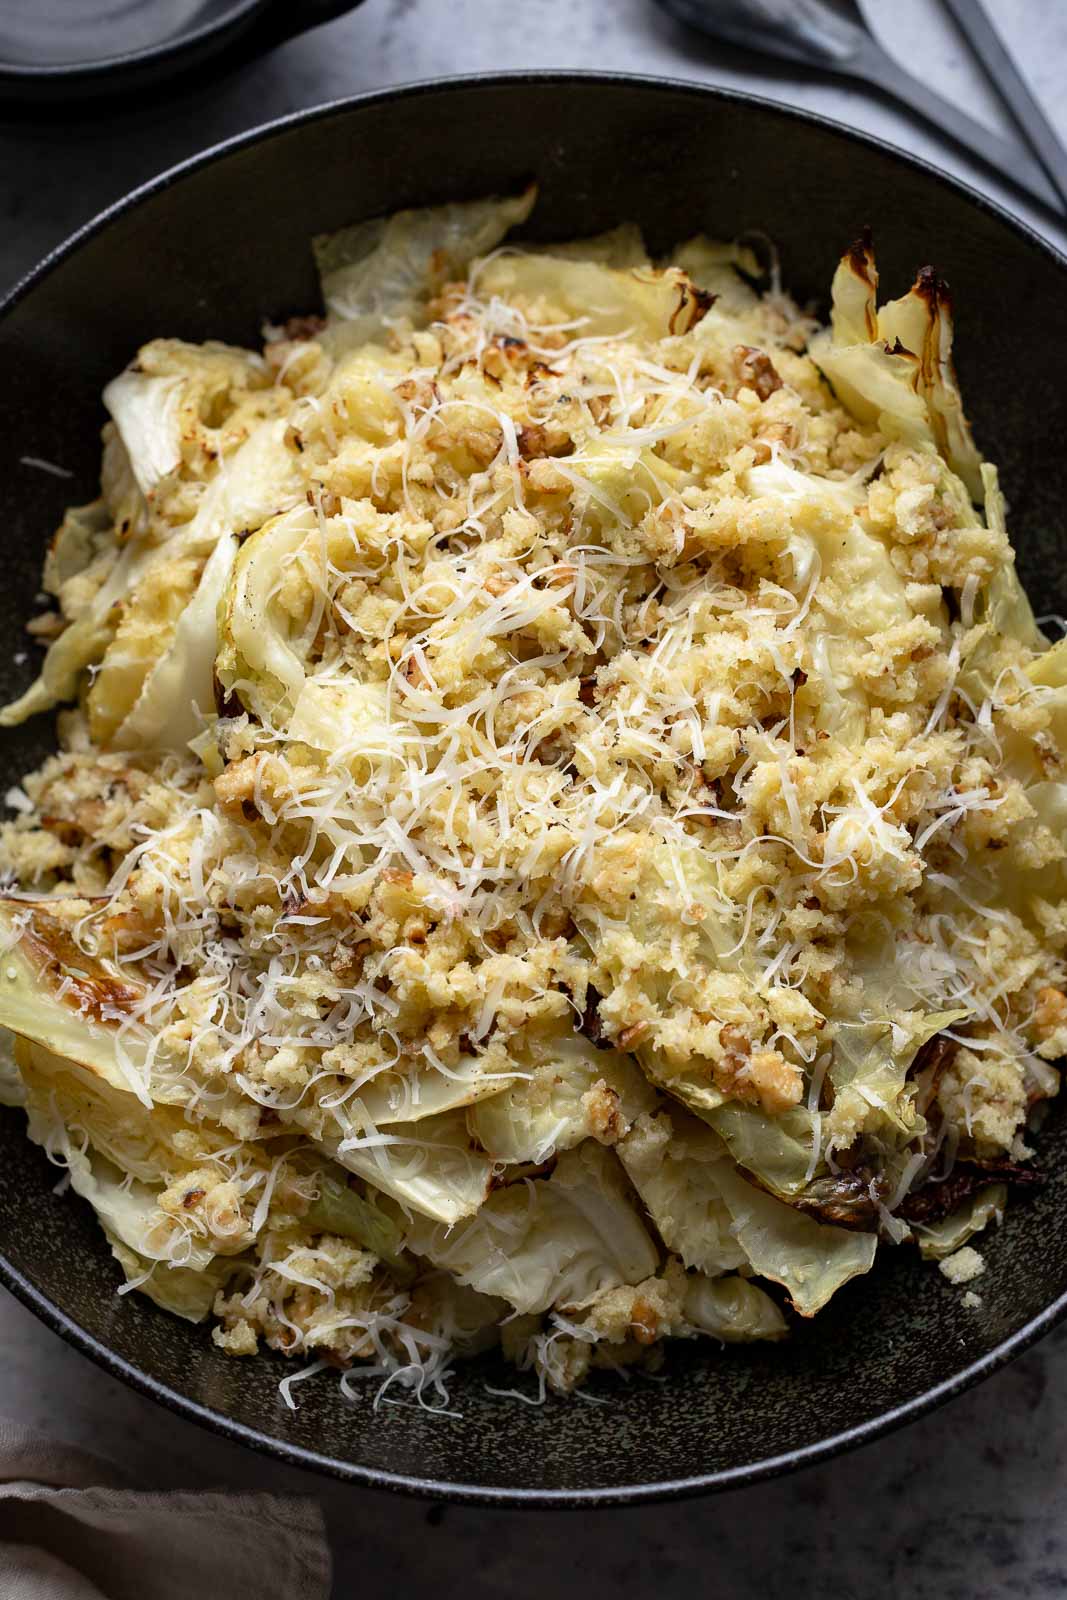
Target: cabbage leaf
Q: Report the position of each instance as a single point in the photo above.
(811, 1260)
(559, 1241)
(428, 1166)
(602, 301)
(384, 269)
(392, 1096)
(83, 642)
(146, 410)
(544, 1112)
(179, 691)
(184, 1291)
(775, 1149)
(893, 365)
(255, 483)
(53, 995)
(337, 1208)
(138, 1139)
(721, 269)
(31, 971)
(940, 1239)
(732, 1309)
(870, 1066)
(672, 1159)
(128, 1209)
(258, 659)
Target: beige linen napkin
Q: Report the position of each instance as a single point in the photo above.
(71, 1530)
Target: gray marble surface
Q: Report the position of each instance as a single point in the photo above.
(964, 1505)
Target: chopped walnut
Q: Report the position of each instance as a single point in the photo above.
(644, 1321)
(778, 1082)
(1050, 1013)
(603, 1113)
(756, 370)
(762, 1076)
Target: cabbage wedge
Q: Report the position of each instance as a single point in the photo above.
(869, 1071)
(893, 365)
(391, 1096)
(83, 1011)
(779, 1150)
(184, 1291)
(74, 1017)
(640, 302)
(146, 410)
(178, 695)
(83, 642)
(338, 1209)
(254, 483)
(349, 722)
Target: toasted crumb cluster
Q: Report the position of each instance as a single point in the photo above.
(563, 814)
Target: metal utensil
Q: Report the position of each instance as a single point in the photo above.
(817, 34)
(973, 22)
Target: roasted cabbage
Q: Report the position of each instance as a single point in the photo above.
(558, 839)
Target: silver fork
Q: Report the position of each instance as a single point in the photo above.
(818, 33)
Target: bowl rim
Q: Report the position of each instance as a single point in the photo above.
(14, 1279)
(104, 69)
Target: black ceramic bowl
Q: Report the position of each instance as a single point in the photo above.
(213, 248)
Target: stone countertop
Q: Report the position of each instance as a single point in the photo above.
(963, 1505)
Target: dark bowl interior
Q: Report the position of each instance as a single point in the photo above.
(213, 250)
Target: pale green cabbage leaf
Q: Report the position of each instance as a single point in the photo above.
(185, 1291)
(732, 1309)
(721, 269)
(255, 483)
(136, 1138)
(338, 1208)
(642, 302)
(893, 365)
(940, 1239)
(179, 693)
(392, 1096)
(672, 1160)
(260, 659)
(870, 1065)
(146, 410)
(559, 1241)
(30, 973)
(544, 1112)
(428, 1166)
(811, 1260)
(778, 1150)
(378, 271)
(85, 1022)
(348, 721)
